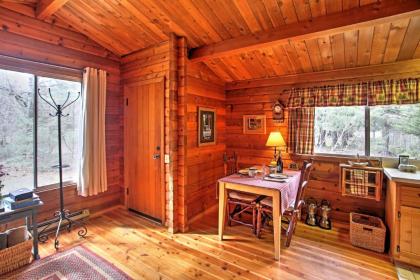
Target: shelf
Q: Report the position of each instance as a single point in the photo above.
(367, 177)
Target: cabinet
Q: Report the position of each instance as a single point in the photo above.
(403, 221)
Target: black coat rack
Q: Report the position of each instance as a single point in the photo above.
(62, 214)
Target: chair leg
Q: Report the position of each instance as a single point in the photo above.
(258, 232)
(228, 214)
(290, 231)
(254, 219)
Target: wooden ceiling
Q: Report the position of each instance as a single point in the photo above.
(125, 26)
(372, 45)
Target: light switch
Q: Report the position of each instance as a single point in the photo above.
(167, 159)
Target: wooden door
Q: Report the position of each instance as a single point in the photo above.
(410, 230)
(143, 148)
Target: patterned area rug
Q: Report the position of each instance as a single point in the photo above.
(76, 263)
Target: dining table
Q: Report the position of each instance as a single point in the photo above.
(282, 192)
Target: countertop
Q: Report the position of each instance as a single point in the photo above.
(403, 177)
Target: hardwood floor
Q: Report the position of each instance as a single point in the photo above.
(146, 251)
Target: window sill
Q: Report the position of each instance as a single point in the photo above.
(55, 187)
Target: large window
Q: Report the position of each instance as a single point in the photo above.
(378, 130)
(29, 160)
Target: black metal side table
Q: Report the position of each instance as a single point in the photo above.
(29, 213)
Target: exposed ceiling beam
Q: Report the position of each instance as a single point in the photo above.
(382, 12)
(46, 8)
(407, 68)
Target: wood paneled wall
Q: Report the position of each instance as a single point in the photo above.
(161, 61)
(30, 39)
(251, 149)
(203, 165)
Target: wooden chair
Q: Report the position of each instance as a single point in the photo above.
(292, 214)
(240, 202)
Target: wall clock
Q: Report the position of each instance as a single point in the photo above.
(278, 112)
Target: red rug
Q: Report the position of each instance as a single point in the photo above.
(76, 263)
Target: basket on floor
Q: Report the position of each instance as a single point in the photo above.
(16, 256)
(367, 232)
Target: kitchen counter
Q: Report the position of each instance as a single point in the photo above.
(402, 177)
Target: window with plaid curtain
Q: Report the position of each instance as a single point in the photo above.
(302, 102)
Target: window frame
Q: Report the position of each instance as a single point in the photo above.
(367, 141)
(38, 69)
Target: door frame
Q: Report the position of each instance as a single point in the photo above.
(162, 140)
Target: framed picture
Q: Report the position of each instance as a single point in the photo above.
(403, 159)
(254, 124)
(206, 126)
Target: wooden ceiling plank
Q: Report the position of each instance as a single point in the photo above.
(337, 48)
(350, 48)
(383, 12)
(303, 56)
(92, 31)
(350, 4)
(366, 73)
(211, 17)
(318, 8)
(233, 21)
(144, 20)
(364, 45)
(314, 54)
(104, 15)
(248, 15)
(283, 59)
(411, 40)
(125, 24)
(303, 10)
(274, 61)
(289, 13)
(379, 42)
(396, 36)
(235, 65)
(218, 71)
(46, 8)
(293, 57)
(221, 63)
(326, 52)
(334, 6)
(202, 21)
(274, 12)
(261, 56)
(260, 12)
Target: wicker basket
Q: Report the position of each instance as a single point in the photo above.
(367, 232)
(15, 257)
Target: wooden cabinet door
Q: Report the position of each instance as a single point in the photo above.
(143, 148)
(410, 230)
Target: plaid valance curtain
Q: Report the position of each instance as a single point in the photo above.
(302, 103)
(404, 91)
(301, 130)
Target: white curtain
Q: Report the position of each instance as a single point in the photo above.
(92, 164)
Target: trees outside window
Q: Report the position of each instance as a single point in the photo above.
(18, 125)
(391, 130)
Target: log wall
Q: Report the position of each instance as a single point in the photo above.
(251, 149)
(27, 38)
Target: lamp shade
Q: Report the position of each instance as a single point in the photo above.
(275, 140)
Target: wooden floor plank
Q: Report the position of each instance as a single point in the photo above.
(144, 250)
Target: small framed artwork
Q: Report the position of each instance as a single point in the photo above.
(206, 126)
(403, 159)
(254, 124)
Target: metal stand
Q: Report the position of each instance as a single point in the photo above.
(62, 215)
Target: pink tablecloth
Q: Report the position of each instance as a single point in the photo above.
(287, 189)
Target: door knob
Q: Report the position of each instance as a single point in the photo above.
(156, 156)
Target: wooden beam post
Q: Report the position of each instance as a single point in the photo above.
(46, 8)
(382, 12)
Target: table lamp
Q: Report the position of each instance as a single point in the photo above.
(275, 139)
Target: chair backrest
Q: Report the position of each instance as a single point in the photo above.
(230, 163)
(303, 182)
